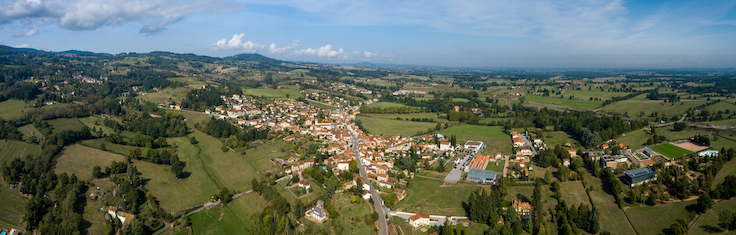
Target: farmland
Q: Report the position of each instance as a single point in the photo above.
(708, 221)
(386, 104)
(612, 218)
(564, 102)
(408, 116)
(671, 151)
(554, 138)
(390, 127)
(10, 149)
(652, 219)
(436, 197)
(635, 106)
(63, 124)
(13, 207)
(12, 108)
(273, 94)
(78, 159)
(493, 136)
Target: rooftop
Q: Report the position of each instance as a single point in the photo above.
(639, 172)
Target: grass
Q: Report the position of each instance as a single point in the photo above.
(12, 108)
(11, 149)
(13, 207)
(79, 160)
(63, 124)
(635, 106)
(348, 211)
(585, 94)
(525, 192)
(218, 220)
(574, 193)
(318, 105)
(637, 139)
(721, 143)
(564, 102)
(727, 122)
(390, 127)
(407, 116)
(671, 151)
(722, 106)
(729, 168)
(489, 120)
(611, 218)
(708, 221)
(274, 94)
(492, 166)
(30, 130)
(493, 136)
(436, 197)
(164, 95)
(554, 138)
(652, 219)
(386, 104)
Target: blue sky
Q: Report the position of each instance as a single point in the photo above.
(487, 33)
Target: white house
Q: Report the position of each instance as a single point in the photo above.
(419, 219)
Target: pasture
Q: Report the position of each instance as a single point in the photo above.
(79, 160)
(635, 107)
(564, 102)
(611, 218)
(407, 116)
(63, 124)
(11, 149)
(554, 138)
(708, 221)
(436, 197)
(12, 108)
(489, 120)
(273, 94)
(729, 168)
(386, 104)
(574, 193)
(493, 136)
(30, 130)
(671, 150)
(390, 127)
(652, 219)
(13, 208)
(166, 95)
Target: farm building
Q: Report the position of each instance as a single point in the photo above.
(639, 176)
(482, 176)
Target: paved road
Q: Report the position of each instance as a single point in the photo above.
(377, 201)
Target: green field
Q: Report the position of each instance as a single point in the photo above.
(708, 221)
(390, 127)
(29, 130)
(564, 102)
(611, 218)
(652, 219)
(671, 151)
(727, 122)
(63, 124)
(722, 106)
(637, 139)
(233, 218)
(12, 108)
(78, 159)
(13, 208)
(407, 116)
(721, 142)
(274, 94)
(164, 95)
(729, 168)
(574, 193)
(493, 166)
(11, 149)
(585, 94)
(436, 197)
(554, 138)
(489, 120)
(386, 104)
(318, 105)
(635, 106)
(493, 136)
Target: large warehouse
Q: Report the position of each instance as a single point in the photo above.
(482, 176)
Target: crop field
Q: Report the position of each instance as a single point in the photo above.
(13, 207)
(164, 95)
(273, 94)
(493, 136)
(63, 124)
(78, 159)
(12, 108)
(564, 102)
(708, 221)
(671, 151)
(11, 149)
(407, 116)
(634, 107)
(652, 219)
(390, 127)
(30, 130)
(436, 197)
(386, 104)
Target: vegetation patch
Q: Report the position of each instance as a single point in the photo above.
(13, 207)
(390, 127)
(653, 219)
(671, 150)
(436, 197)
(564, 102)
(386, 104)
(12, 108)
(79, 160)
(63, 124)
(11, 149)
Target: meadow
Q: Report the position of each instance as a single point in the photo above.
(13, 207)
(407, 116)
(564, 102)
(63, 124)
(386, 104)
(273, 94)
(670, 150)
(11, 149)
(554, 138)
(79, 160)
(233, 218)
(652, 219)
(493, 136)
(708, 221)
(638, 105)
(729, 168)
(166, 95)
(30, 130)
(390, 127)
(574, 193)
(611, 218)
(489, 120)
(436, 197)
(12, 108)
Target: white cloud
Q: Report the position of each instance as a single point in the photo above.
(92, 14)
(236, 43)
(325, 51)
(278, 50)
(356, 52)
(23, 46)
(26, 34)
(369, 54)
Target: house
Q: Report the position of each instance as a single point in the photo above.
(518, 141)
(445, 146)
(572, 152)
(604, 146)
(482, 176)
(122, 216)
(514, 134)
(304, 184)
(522, 208)
(526, 151)
(419, 219)
(400, 193)
(343, 165)
(639, 176)
(318, 211)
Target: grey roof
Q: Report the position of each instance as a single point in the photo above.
(481, 173)
(321, 203)
(639, 172)
(318, 211)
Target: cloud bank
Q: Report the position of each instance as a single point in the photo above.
(236, 43)
(30, 33)
(279, 50)
(325, 51)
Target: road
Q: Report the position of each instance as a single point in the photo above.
(377, 201)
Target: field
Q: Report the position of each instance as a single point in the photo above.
(63, 124)
(727, 122)
(390, 127)
(637, 105)
(612, 218)
(12, 108)
(30, 130)
(489, 120)
(721, 142)
(79, 160)
(436, 197)
(554, 138)
(708, 221)
(492, 166)
(407, 116)
(386, 104)
(671, 151)
(652, 219)
(564, 102)
(233, 218)
(637, 139)
(574, 193)
(729, 168)
(585, 94)
(13, 208)
(10, 149)
(164, 95)
(493, 136)
(274, 94)
(318, 105)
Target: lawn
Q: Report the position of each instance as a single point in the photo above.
(708, 222)
(671, 151)
(564, 102)
(63, 124)
(496, 166)
(493, 136)
(386, 104)
(390, 127)
(611, 218)
(274, 94)
(12, 108)
(437, 197)
(13, 207)
(79, 160)
(652, 219)
(11, 149)
(574, 193)
(637, 139)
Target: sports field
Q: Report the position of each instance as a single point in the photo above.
(652, 219)
(671, 151)
(78, 159)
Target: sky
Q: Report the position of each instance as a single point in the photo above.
(460, 33)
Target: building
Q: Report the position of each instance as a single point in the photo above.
(318, 211)
(445, 146)
(474, 145)
(526, 151)
(419, 219)
(613, 161)
(122, 216)
(639, 176)
(482, 176)
(518, 141)
(522, 208)
(709, 153)
(479, 162)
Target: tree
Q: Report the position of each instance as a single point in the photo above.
(725, 219)
(547, 177)
(223, 148)
(593, 224)
(679, 227)
(193, 140)
(177, 169)
(97, 172)
(134, 153)
(705, 202)
(353, 166)
(224, 195)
